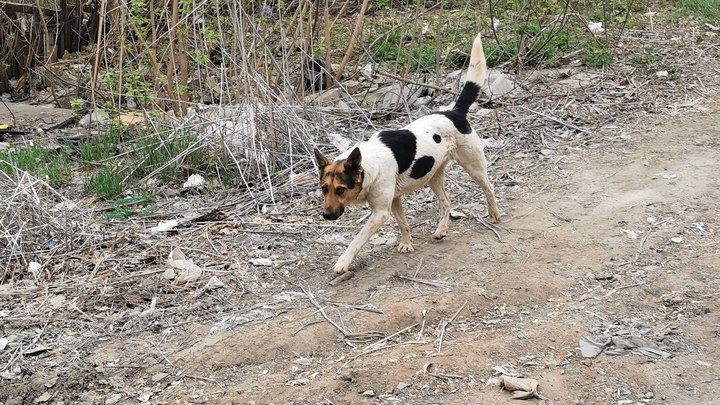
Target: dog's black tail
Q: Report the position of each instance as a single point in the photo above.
(475, 78)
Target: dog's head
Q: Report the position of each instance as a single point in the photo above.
(340, 181)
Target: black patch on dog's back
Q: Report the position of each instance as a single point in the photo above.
(459, 120)
(437, 138)
(403, 145)
(422, 167)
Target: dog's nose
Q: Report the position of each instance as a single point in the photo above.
(331, 215)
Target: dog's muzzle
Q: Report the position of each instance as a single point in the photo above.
(332, 215)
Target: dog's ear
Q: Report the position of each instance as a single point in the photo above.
(353, 161)
(321, 160)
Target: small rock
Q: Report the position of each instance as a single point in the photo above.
(662, 73)
(604, 276)
(368, 393)
(401, 386)
(677, 239)
(649, 395)
(352, 86)
(299, 381)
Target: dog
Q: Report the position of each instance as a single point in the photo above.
(395, 162)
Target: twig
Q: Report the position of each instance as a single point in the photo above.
(392, 336)
(402, 79)
(490, 227)
(163, 355)
(567, 124)
(422, 327)
(444, 325)
(12, 114)
(421, 281)
(343, 277)
(377, 349)
(642, 243)
(357, 29)
(313, 301)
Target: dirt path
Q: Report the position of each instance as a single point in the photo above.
(619, 239)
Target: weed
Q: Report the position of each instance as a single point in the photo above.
(76, 105)
(97, 149)
(708, 10)
(596, 55)
(158, 150)
(125, 208)
(105, 183)
(55, 166)
(646, 59)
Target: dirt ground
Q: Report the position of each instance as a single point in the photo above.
(620, 237)
(615, 239)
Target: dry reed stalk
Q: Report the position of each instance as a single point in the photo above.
(353, 39)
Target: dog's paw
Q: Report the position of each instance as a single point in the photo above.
(494, 217)
(405, 247)
(341, 268)
(439, 234)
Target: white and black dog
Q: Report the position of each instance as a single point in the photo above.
(395, 162)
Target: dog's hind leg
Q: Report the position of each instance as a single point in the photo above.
(398, 212)
(376, 220)
(437, 185)
(469, 154)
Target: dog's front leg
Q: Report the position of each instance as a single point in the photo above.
(376, 220)
(398, 212)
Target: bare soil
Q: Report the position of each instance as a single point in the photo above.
(619, 237)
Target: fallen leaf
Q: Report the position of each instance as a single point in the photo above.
(43, 398)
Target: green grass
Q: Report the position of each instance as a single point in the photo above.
(105, 183)
(154, 151)
(103, 146)
(53, 165)
(708, 10)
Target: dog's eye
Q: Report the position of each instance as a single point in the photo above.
(340, 190)
(324, 189)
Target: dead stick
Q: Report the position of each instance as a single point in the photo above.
(642, 243)
(343, 277)
(393, 335)
(402, 79)
(567, 124)
(313, 301)
(377, 349)
(421, 281)
(448, 322)
(490, 227)
(357, 31)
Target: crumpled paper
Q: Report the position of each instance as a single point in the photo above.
(189, 271)
(521, 388)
